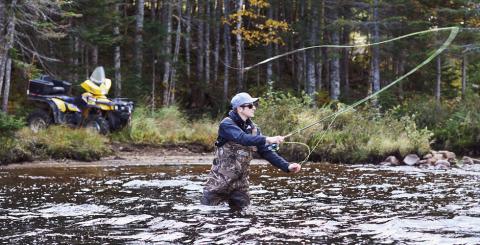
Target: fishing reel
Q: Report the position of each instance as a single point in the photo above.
(274, 147)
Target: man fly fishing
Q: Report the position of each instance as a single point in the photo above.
(237, 138)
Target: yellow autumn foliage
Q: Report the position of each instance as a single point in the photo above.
(262, 30)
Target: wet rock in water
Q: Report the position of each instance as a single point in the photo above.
(448, 155)
(432, 160)
(439, 156)
(386, 163)
(411, 159)
(429, 155)
(423, 162)
(467, 160)
(392, 160)
(442, 164)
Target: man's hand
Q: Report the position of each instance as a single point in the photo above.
(275, 140)
(294, 167)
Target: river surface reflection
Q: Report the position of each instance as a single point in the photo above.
(325, 203)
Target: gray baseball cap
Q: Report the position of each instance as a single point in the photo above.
(242, 98)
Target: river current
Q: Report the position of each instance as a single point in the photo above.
(324, 204)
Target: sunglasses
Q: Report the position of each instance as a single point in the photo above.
(250, 106)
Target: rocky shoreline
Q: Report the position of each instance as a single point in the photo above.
(432, 160)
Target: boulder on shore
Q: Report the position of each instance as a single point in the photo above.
(434, 159)
(411, 159)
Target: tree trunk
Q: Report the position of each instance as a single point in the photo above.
(167, 54)
(319, 68)
(117, 55)
(3, 50)
(375, 54)
(95, 56)
(187, 36)
(227, 52)
(207, 44)
(311, 80)
(464, 75)
(2, 26)
(270, 81)
(201, 46)
(346, 55)
(76, 58)
(9, 42)
(239, 45)
(6, 91)
(153, 9)
(276, 49)
(335, 70)
(320, 62)
(439, 82)
(335, 63)
(216, 18)
(269, 54)
(2, 70)
(176, 52)
(86, 59)
(399, 72)
(154, 83)
(138, 59)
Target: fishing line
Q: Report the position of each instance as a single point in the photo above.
(453, 33)
(349, 46)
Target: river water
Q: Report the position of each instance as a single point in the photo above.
(324, 204)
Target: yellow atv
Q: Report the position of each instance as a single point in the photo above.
(116, 111)
(92, 109)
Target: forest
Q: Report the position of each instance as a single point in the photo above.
(191, 57)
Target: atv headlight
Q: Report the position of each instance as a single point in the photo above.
(116, 107)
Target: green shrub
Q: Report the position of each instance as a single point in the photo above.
(354, 136)
(455, 122)
(12, 151)
(64, 142)
(167, 126)
(10, 124)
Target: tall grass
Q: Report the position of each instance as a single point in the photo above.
(11, 150)
(64, 142)
(167, 126)
(354, 136)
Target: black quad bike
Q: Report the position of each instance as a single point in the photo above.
(54, 105)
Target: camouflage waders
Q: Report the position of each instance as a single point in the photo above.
(228, 178)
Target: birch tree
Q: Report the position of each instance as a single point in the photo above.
(138, 55)
(311, 81)
(176, 52)
(375, 66)
(7, 46)
(227, 51)
(217, 24)
(335, 61)
(167, 53)
(117, 52)
(188, 31)
(239, 46)
(207, 22)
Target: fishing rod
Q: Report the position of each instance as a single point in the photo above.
(453, 33)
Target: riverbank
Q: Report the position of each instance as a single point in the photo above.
(134, 155)
(362, 136)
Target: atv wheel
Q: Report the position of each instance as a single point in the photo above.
(38, 120)
(98, 123)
